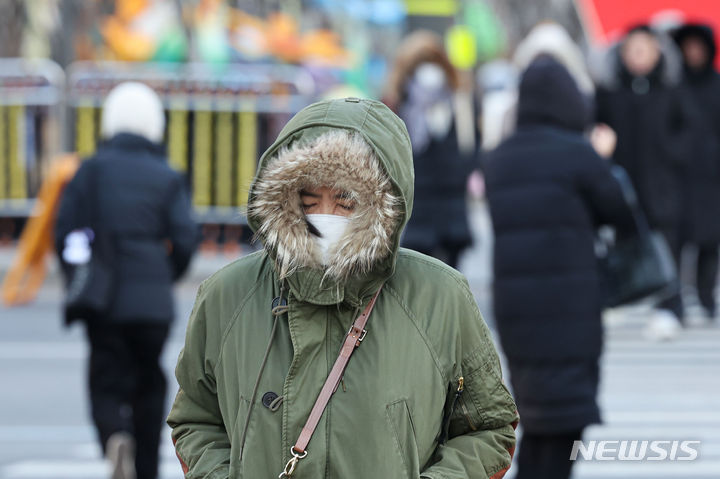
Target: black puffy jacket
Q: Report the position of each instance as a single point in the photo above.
(141, 203)
(548, 191)
(654, 119)
(702, 174)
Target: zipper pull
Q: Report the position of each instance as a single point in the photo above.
(444, 428)
(458, 393)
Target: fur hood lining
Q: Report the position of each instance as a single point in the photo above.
(340, 159)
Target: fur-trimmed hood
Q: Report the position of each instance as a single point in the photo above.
(358, 146)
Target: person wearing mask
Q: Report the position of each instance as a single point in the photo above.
(641, 100)
(260, 392)
(141, 205)
(424, 91)
(548, 191)
(701, 227)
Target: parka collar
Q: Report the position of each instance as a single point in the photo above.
(309, 286)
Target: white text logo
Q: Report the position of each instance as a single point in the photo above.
(635, 450)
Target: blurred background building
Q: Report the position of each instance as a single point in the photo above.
(232, 71)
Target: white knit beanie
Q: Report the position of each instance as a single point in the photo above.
(133, 107)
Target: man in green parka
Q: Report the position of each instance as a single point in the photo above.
(421, 397)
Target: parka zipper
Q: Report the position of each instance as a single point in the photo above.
(463, 406)
(445, 428)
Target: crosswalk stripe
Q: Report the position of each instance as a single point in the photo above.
(74, 469)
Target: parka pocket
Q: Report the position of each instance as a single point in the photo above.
(401, 424)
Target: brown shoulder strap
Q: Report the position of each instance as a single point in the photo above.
(352, 341)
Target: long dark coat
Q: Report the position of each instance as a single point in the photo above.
(653, 121)
(440, 216)
(548, 191)
(143, 205)
(702, 176)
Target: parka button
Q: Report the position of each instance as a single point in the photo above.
(278, 301)
(268, 398)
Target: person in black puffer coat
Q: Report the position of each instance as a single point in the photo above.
(702, 180)
(641, 99)
(548, 191)
(133, 196)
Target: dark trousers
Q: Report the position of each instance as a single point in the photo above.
(706, 276)
(127, 386)
(673, 300)
(545, 456)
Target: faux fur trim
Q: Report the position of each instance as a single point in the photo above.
(342, 160)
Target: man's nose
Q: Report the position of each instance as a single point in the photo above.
(326, 207)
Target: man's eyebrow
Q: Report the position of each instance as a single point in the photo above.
(307, 193)
(344, 195)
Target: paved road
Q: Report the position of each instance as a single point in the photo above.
(668, 391)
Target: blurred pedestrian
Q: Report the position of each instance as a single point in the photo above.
(548, 191)
(142, 206)
(424, 90)
(500, 104)
(702, 180)
(640, 99)
(422, 395)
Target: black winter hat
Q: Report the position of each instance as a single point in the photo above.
(549, 95)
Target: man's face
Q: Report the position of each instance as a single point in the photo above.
(640, 53)
(695, 53)
(326, 201)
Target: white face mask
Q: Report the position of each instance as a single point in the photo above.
(430, 76)
(331, 229)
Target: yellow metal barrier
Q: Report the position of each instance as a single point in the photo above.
(218, 121)
(247, 154)
(177, 136)
(85, 130)
(223, 159)
(18, 155)
(202, 159)
(4, 160)
(30, 118)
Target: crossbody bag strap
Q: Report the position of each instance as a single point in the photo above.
(352, 341)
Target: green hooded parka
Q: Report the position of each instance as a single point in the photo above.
(398, 413)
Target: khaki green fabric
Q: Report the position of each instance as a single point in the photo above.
(383, 422)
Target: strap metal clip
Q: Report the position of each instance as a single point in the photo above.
(292, 463)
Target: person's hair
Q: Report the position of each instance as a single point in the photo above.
(133, 107)
(417, 48)
(640, 28)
